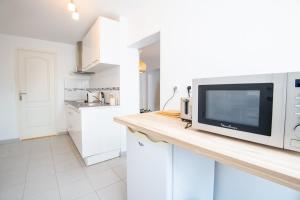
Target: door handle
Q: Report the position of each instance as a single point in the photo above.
(147, 136)
(21, 95)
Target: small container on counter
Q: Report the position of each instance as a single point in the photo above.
(112, 100)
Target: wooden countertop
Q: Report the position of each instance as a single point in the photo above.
(274, 164)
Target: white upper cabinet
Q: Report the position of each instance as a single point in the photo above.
(101, 45)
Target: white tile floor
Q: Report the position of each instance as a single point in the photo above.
(51, 168)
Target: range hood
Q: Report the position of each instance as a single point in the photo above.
(79, 61)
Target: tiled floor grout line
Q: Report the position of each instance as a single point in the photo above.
(55, 172)
(120, 179)
(27, 170)
(95, 190)
(52, 142)
(85, 174)
(90, 182)
(112, 168)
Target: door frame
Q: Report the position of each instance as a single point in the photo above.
(17, 89)
(143, 42)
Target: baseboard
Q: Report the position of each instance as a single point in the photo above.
(63, 133)
(91, 160)
(33, 136)
(123, 153)
(9, 141)
(30, 137)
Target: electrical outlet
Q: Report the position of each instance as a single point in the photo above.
(175, 88)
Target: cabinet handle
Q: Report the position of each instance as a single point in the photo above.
(147, 136)
(141, 144)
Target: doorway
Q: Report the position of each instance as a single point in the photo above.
(149, 69)
(35, 83)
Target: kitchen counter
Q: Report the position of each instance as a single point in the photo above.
(93, 131)
(277, 165)
(79, 105)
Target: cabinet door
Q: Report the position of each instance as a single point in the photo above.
(85, 52)
(76, 130)
(149, 168)
(91, 46)
(68, 115)
(71, 121)
(109, 41)
(73, 117)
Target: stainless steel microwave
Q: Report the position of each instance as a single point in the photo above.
(262, 108)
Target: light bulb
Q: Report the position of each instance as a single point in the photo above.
(71, 6)
(75, 15)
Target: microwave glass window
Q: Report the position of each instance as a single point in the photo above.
(233, 106)
(243, 107)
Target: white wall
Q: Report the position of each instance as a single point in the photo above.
(217, 38)
(148, 22)
(129, 78)
(65, 55)
(106, 78)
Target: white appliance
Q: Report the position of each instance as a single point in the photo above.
(260, 108)
(186, 109)
(157, 170)
(149, 168)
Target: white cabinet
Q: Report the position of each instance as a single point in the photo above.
(161, 171)
(193, 175)
(101, 45)
(73, 117)
(149, 168)
(94, 133)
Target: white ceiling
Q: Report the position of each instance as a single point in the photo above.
(50, 19)
(151, 55)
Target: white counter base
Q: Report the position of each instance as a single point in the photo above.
(91, 160)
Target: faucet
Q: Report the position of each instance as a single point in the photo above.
(101, 100)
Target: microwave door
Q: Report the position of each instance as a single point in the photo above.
(243, 107)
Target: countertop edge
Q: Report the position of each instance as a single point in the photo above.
(250, 167)
(91, 107)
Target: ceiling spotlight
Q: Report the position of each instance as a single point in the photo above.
(75, 15)
(71, 6)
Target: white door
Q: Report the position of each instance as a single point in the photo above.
(36, 93)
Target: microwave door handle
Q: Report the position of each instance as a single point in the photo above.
(186, 107)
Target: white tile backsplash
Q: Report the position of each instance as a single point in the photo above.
(75, 89)
(77, 83)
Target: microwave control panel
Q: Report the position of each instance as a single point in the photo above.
(292, 124)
